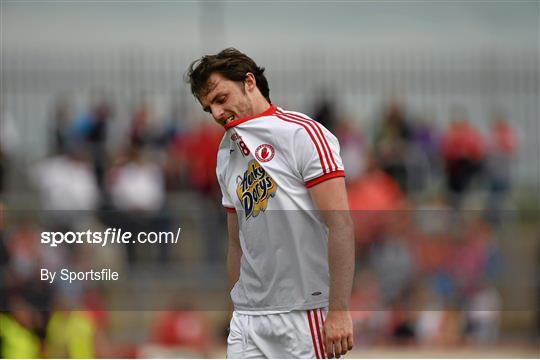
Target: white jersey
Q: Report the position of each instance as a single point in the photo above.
(265, 166)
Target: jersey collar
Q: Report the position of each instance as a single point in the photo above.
(272, 109)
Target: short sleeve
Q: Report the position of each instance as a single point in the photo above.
(225, 198)
(317, 154)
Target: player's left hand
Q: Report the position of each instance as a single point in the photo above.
(338, 333)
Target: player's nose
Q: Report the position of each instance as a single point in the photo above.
(217, 113)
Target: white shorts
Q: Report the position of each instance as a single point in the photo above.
(297, 334)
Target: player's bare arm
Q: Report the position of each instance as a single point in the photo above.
(234, 251)
(331, 198)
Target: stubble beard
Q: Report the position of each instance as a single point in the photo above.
(246, 107)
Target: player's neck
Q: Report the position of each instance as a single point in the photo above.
(260, 106)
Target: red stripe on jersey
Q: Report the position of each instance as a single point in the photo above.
(309, 133)
(317, 125)
(323, 178)
(314, 128)
(321, 345)
(313, 335)
(229, 209)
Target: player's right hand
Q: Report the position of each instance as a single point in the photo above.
(338, 333)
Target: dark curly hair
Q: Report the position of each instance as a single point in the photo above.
(231, 64)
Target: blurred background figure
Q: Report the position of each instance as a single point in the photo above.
(463, 150)
(67, 187)
(424, 160)
(146, 130)
(325, 111)
(18, 330)
(136, 183)
(61, 126)
(136, 186)
(91, 128)
(353, 148)
(186, 333)
(9, 141)
(67, 181)
(392, 139)
(502, 146)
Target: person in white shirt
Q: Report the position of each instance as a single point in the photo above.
(290, 256)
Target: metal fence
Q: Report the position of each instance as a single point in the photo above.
(478, 80)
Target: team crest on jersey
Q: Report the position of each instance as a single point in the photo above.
(265, 152)
(254, 189)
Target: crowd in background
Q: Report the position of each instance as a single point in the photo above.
(426, 268)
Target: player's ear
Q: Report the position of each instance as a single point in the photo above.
(250, 83)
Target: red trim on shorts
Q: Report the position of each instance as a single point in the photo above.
(317, 355)
(230, 209)
(267, 112)
(320, 135)
(319, 335)
(323, 178)
(322, 327)
(310, 135)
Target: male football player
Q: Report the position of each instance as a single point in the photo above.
(290, 256)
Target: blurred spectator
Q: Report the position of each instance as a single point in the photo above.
(471, 255)
(175, 172)
(137, 189)
(176, 123)
(200, 148)
(375, 190)
(9, 140)
(373, 198)
(140, 132)
(393, 264)
(325, 110)
(463, 151)
(423, 162)
(66, 182)
(403, 326)
(502, 144)
(25, 252)
(483, 316)
(538, 289)
(391, 141)
(188, 330)
(26, 297)
(425, 136)
(75, 331)
(70, 334)
(4, 260)
(18, 340)
(91, 129)
(352, 148)
(26, 258)
(145, 128)
(61, 120)
(137, 183)
(428, 326)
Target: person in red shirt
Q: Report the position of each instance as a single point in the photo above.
(463, 152)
